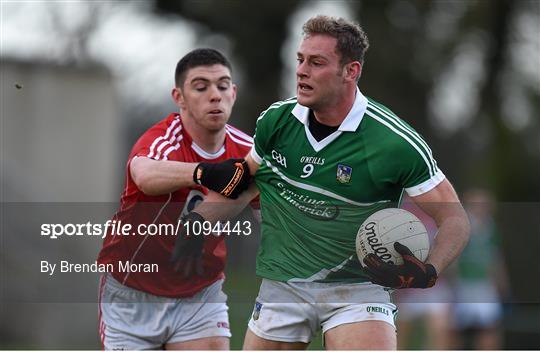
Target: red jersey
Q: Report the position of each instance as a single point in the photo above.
(167, 140)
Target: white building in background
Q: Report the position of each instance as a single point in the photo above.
(60, 134)
(60, 161)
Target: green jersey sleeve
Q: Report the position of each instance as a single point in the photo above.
(267, 125)
(261, 137)
(407, 161)
(417, 169)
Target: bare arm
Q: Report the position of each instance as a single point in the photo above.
(156, 177)
(442, 204)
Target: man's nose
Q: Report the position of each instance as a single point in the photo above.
(302, 70)
(215, 94)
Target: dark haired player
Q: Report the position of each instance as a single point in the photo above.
(182, 306)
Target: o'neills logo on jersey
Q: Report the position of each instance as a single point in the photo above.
(315, 208)
(312, 160)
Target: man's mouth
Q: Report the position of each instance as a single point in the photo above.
(304, 87)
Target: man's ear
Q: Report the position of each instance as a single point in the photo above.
(235, 91)
(178, 97)
(352, 71)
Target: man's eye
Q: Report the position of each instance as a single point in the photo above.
(299, 60)
(200, 88)
(223, 87)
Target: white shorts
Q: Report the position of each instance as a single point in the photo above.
(296, 311)
(477, 305)
(414, 303)
(477, 315)
(133, 320)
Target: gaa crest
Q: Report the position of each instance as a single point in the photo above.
(344, 173)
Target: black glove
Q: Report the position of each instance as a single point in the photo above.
(412, 273)
(188, 250)
(229, 178)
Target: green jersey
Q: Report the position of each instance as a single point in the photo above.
(477, 262)
(315, 194)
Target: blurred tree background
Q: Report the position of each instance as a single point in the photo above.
(465, 74)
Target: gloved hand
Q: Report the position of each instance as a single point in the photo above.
(412, 273)
(229, 178)
(188, 248)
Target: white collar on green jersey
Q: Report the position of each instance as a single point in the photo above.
(351, 121)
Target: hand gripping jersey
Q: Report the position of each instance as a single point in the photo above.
(167, 140)
(316, 194)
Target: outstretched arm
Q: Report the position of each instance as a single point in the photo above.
(156, 177)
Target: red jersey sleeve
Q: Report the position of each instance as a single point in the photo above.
(160, 140)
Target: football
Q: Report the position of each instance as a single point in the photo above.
(384, 227)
